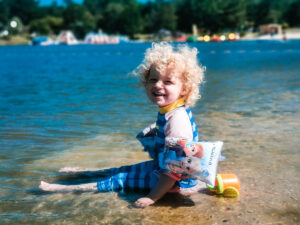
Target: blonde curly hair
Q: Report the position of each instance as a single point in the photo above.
(182, 61)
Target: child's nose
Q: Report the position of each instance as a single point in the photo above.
(159, 83)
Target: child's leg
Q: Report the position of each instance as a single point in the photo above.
(133, 176)
(132, 180)
(146, 166)
(77, 169)
(65, 188)
(140, 175)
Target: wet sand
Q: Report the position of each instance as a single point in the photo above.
(262, 152)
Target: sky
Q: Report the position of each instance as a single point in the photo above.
(60, 2)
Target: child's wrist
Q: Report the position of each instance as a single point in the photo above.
(153, 199)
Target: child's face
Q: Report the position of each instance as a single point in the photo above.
(163, 89)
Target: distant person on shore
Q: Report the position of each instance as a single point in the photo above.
(171, 77)
(284, 36)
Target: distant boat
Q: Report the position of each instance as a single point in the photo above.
(42, 40)
(123, 38)
(66, 37)
(100, 38)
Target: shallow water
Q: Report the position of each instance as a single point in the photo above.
(78, 106)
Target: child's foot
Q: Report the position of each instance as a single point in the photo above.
(53, 187)
(144, 202)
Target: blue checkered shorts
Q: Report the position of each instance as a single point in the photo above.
(142, 176)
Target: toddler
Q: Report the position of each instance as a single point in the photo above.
(171, 77)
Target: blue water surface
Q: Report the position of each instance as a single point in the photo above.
(54, 97)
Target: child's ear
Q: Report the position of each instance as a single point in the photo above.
(183, 91)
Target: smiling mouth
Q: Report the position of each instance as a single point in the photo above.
(158, 94)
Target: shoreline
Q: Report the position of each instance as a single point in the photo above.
(289, 34)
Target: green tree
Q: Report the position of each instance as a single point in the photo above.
(218, 15)
(130, 17)
(112, 18)
(268, 11)
(52, 10)
(251, 6)
(47, 25)
(212, 15)
(158, 15)
(78, 19)
(97, 6)
(4, 14)
(187, 12)
(165, 15)
(132, 22)
(292, 15)
(26, 10)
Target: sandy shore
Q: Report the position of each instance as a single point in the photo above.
(289, 34)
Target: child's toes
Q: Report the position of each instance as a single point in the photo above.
(143, 202)
(44, 185)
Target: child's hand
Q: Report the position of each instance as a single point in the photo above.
(143, 202)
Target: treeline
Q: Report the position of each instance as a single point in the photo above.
(131, 17)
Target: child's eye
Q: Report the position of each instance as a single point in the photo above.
(168, 82)
(152, 80)
(189, 161)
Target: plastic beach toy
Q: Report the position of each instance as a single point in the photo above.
(227, 185)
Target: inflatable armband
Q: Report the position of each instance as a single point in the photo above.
(191, 159)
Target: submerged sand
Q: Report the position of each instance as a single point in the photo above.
(262, 152)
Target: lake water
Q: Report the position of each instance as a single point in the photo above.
(79, 106)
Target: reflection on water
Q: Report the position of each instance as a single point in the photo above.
(72, 106)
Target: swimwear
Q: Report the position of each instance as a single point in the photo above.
(172, 121)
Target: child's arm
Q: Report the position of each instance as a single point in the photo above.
(148, 131)
(146, 137)
(165, 183)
